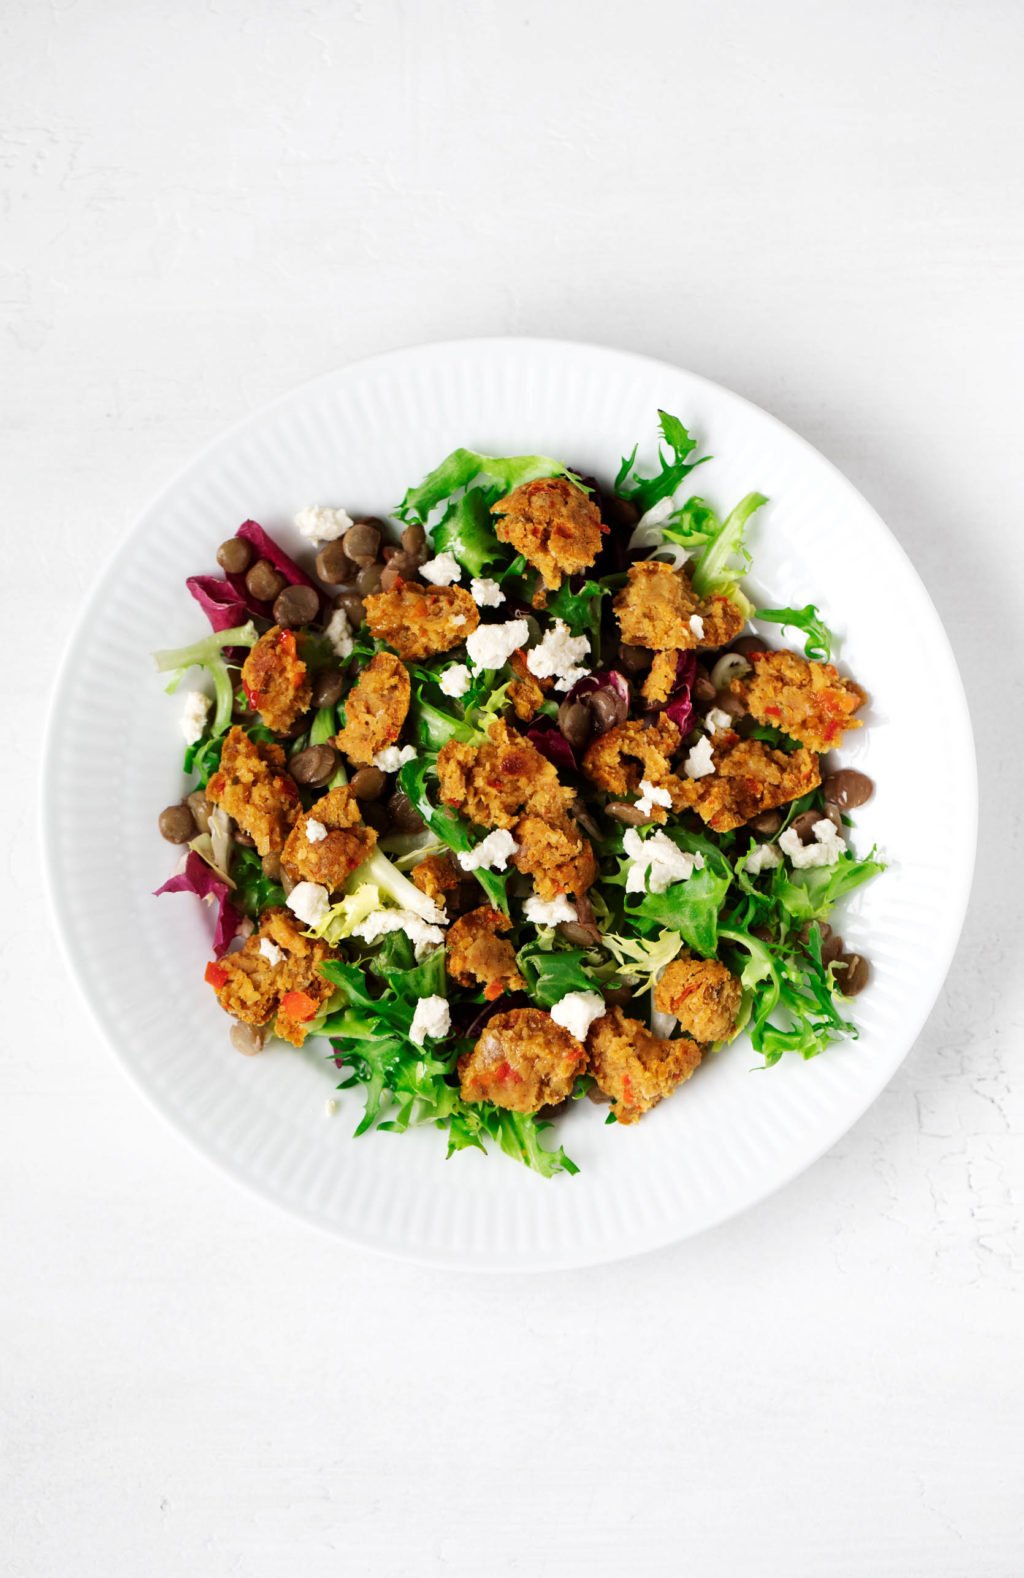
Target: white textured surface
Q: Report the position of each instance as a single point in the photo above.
(814, 204)
(732, 1138)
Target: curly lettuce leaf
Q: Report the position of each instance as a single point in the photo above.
(464, 467)
(818, 641)
(551, 973)
(726, 557)
(467, 531)
(642, 959)
(673, 467)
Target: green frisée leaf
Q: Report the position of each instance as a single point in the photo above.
(254, 890)
(673, 466)
(819, 639)
(690, 908)
(811, 894)
(789, 1003)
(726, 557)
(642, 959)
(581, 610)
(209, 655)
(464, 467)
(550, 973)
(467, 531)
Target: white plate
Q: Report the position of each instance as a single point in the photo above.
(358, 437)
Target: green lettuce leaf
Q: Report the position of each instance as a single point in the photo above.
(819, 640)
(673, 467)
(464, 467)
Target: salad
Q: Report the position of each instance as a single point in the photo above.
(522, 806)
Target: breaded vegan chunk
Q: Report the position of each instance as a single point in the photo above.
(275, 970)
(375, 709)
(526, 692)
(497, 782)
(478, 956)
(253, 787)
(330, 858)
(421, 620)
(749, 777)
(276, 680)
(553, 524)
(702, 994)
(438, 877)
(635, 1068)
(618, 760)
(810, 701)
(522, 1061)
(657, 606)
(661, 677)
(555, 854)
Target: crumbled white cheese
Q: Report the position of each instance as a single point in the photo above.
(321, 524)
(309, 902)
(486, 594)
(763, 858)
(339, 633)
(697, 626)
(549, 912)
(577, 1011)
(316, 832)
(330, 1107)
(825, 851)
(492, 853)
(270, 951)
(392, 757)
(458, 619)
(700, 761)
(442, 571)
(433, 1017)
(455, 679)
(650, 796)
(557, 656)
(655, 862)
(492, 645)
(420, 933)
(194, 715)
(717, 718)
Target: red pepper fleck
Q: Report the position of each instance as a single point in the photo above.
(774, 712)
(216, 975)
(505, 1073)
(298, 1005)
(493, 990)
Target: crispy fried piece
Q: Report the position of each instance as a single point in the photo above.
(810, 701)
(276, 680)
(702, 994)
(478, 956)
(331, 860)
(421, 620)
(526, 691)
(375, 709)
(618, 760)
(553, 524)
(253, 787)
(438, 877)
(250, 986)
(555, 854)
(656, 605)
(749, 777)
(522, 1061)
(635, 1068)
(661, 678)
(497, 782)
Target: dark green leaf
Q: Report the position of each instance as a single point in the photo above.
(819, 639)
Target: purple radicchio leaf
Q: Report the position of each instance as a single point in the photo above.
(220, 602)
(680, 702)
(552, 743)
(204, 882)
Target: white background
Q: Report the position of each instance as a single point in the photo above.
(817, 204)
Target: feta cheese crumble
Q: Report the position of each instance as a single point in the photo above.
(492, 853)
(455, 680)
(309, 902)
(433, 1017)
(420, 933)
(700, 761)
(557, 656)
(655, 862)
(194, 715)
(339, 633)
(825, 851)
(576, 1012)
(490, 646)
(549, 912)
(445, 570)
(320, 524)
(392, 757)
(764, 858)
(697, 626)
(486, 594)
(270, 951)
(717, 718)
(650, 796)
(315, 831)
